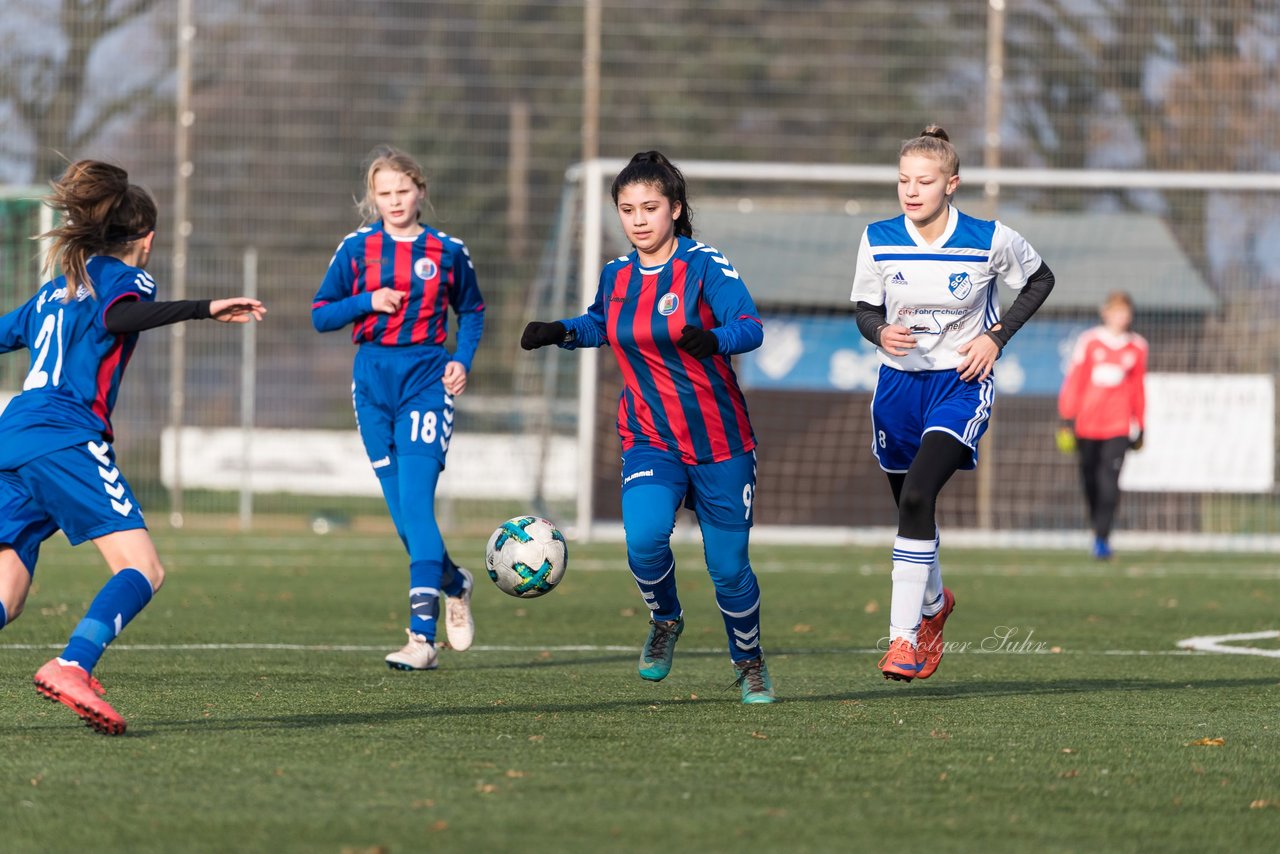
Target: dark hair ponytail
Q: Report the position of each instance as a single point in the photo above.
(653, 167)
(101, 213)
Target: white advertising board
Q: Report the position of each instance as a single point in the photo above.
(1206, 433)
(333, 462)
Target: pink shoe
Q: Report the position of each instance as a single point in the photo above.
(930, 635)
(74, 688)
(902, 662)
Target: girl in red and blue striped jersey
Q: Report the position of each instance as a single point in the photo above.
(395, 279)
(673, 311)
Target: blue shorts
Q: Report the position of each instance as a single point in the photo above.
(722, 494)
(79, 490)
(400, 404)
(908, 404)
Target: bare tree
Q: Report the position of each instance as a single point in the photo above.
(47, 77)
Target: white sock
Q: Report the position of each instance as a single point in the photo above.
(933, 586)
(911, 562)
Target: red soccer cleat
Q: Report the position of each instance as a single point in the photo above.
(71, 686)
(929, 636)
(902, 662)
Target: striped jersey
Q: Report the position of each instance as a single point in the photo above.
(76, 364)
(1104, 393)
(670, 400)
(433, 270)
(944, 292)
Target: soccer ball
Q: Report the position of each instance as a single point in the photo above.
(526, 557)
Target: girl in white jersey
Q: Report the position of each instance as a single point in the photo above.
(925, 289)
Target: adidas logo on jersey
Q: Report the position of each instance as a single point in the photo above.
(898, 279)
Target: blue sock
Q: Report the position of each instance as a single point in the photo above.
(390, 484)
(418, 476)
(648, 515)
(737, 591)
(424, 597)
(4, 616)
(118, 602)
(451, 581)
(657, 585)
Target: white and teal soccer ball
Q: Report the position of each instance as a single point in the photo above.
(526, 557)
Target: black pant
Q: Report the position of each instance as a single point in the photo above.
(1100, 462)
(916, 491)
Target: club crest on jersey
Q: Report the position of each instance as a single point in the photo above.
(668, 304)
(425, 268)
(960, 284)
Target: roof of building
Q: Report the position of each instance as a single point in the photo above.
(806, 258)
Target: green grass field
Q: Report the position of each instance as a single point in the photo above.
(262, 717)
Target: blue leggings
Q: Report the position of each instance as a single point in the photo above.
(648, 515)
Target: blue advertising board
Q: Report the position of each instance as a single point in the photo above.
(806, 353)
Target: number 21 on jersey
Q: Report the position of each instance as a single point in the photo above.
(50, 329)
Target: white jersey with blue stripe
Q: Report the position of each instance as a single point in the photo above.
(945, 291)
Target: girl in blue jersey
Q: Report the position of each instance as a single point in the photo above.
(395, 278)
(673, 311)
(57, 467)
(925, 288)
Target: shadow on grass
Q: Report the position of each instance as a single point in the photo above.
(868, 697)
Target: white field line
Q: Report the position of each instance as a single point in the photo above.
(367, 648)
(1223, 644)
(1261, 572)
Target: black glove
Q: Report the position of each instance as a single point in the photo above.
(697, 342)
(538, 334)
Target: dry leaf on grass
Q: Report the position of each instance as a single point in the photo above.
(1207, 742)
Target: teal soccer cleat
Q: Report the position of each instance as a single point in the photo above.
(753, 678)
(660, 648)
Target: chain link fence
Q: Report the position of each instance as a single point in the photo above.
(289, 96)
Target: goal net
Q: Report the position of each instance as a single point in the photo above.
(1205, 279)
(21, 215)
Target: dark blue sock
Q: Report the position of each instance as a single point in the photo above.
(424, 597)
(118, 602)
(4, 616)
(737, 591)
(451, 581)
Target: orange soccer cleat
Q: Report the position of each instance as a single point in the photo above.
(929, 637)
(902, 662)
(69, 684)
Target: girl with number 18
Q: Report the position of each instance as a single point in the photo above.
(395, 279)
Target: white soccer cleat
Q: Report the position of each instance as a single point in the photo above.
(459, 624)
(418, 654)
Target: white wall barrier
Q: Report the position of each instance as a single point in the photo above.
(333, 462)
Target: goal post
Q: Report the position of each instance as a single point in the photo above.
(792, 230)
(23, 215)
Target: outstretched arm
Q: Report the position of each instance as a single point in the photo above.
(127, 315)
